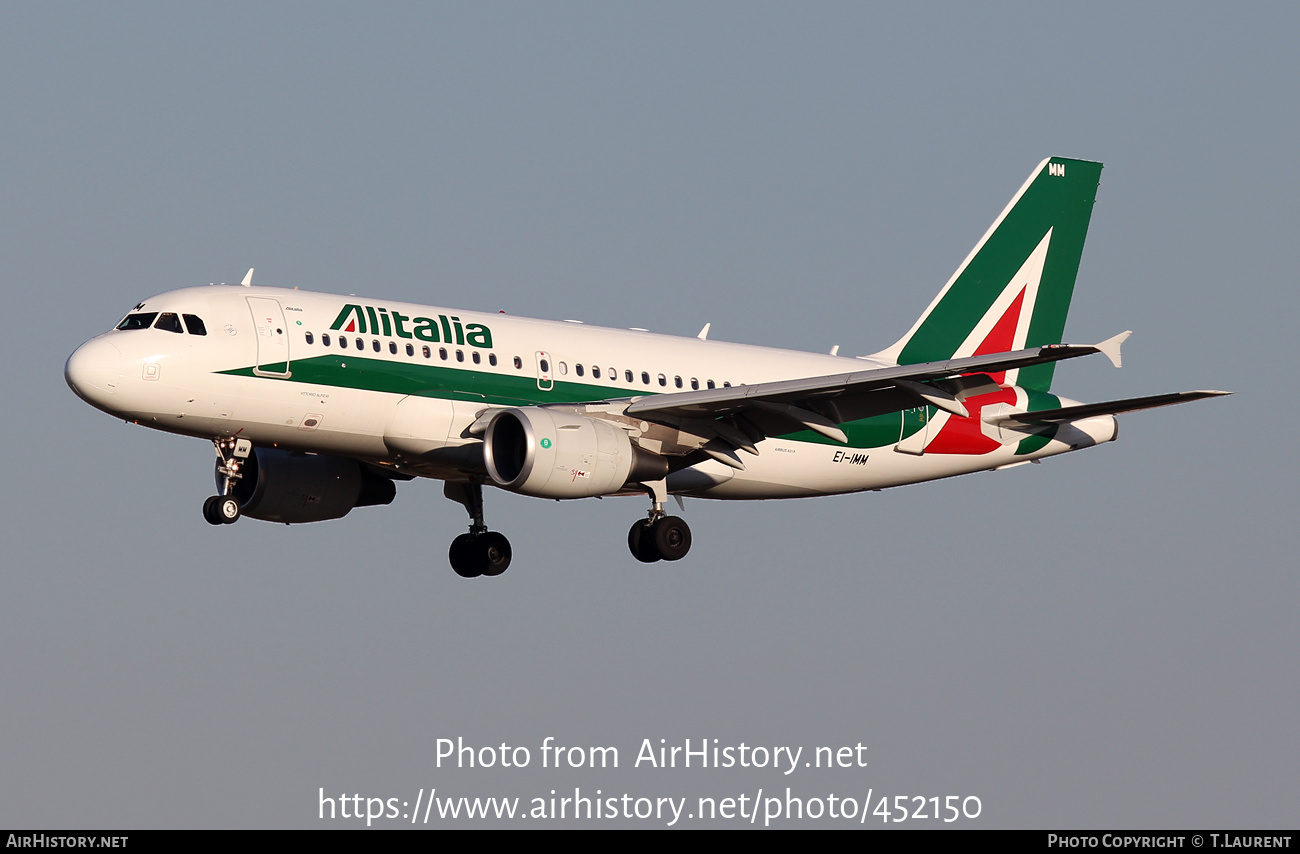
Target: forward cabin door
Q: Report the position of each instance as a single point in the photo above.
(272, 337)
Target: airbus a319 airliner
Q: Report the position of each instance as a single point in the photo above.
(318, 403)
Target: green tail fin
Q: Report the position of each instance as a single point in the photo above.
(1013, 290)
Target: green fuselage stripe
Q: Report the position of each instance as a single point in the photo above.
(452, 383)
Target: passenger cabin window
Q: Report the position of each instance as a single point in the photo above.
(310, 338)
(492, 359)
(392, 347)
(695, 384)
(519, 363)
(428, 354)
(375, 343)
(477, 358)
(577, 369)
(325, 338)
(627, 375)
(343, 342)
(711, 385)
(410, 349)
(645, 377)
(595, 371)
(361, 345)
(169, 322)
(138, 321)
(663, 380)
(194, 324)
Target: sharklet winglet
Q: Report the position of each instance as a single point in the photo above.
(248, 279)
(1110, 347)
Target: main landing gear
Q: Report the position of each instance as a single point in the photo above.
(479, 552)
(659, 537)
(223, 509)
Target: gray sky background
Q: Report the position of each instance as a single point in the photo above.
(1108, 639)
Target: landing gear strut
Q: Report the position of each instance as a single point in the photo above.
(479, 552)
(659, 537)
(223, 509)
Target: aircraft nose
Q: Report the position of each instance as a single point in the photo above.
(94, 372)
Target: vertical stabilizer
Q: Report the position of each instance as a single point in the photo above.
(1013, 290)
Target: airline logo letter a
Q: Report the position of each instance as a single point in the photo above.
(358, 323)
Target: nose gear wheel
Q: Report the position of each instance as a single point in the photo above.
(224, 509)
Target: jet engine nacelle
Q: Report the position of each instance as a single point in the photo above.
(287, 486)
(553, 454)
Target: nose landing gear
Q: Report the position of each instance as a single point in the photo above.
(223, 509)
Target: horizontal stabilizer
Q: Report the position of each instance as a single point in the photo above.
(1110, 407)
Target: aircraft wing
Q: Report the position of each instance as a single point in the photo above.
(740, 416)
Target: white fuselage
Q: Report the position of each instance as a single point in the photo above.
(406, 382)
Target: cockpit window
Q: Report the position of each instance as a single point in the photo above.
(138, 321)
(195, 324)
(169, 322)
